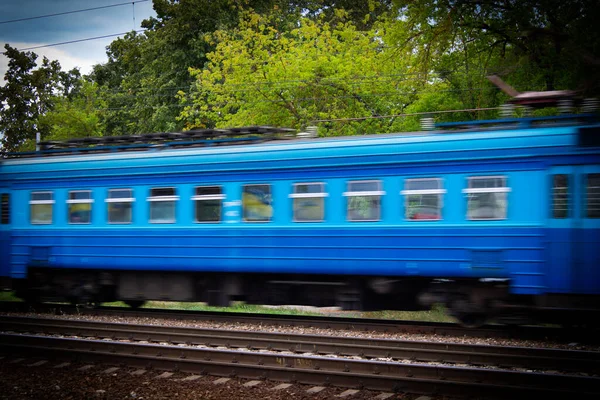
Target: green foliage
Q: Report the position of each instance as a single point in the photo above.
(75, 117)
(9, 296)
(144, 73)
(350, 67)
(535, 45)
(259, 74)
(437, 314)
(29, 93)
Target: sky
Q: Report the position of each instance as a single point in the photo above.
(69, 27)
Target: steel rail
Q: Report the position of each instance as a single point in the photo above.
(367, 348)
(372, 375)
(324, 322)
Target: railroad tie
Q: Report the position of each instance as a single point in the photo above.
(348, 393)
(190, 378)
(110, 370)
(282, 386)
(37, 364)
(138, 372)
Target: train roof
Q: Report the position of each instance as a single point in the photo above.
(450, 141)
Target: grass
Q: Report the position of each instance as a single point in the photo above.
(436, 314)
(235, 307)
(8, 296)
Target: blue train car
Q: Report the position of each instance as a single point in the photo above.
(483, 220)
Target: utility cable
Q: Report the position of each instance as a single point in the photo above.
(75, 41)
(71, 12)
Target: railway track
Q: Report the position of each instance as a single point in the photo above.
(324, 322)
(384, 365)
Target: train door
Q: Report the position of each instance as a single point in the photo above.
(574, 230)
(4, 239)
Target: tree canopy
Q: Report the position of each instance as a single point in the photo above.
(29, 93)
(348, 66)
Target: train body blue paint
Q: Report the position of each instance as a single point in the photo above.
(512, 212)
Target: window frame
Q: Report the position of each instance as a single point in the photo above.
(586, 182)
(553, 189)
(440, 192)
(155, 199)
(504, 189)
(129, 200)
(243, 208)
(320, 195)
(40, 202)
(204, 197)
(5, 208)
(79, 201)
(366, 193)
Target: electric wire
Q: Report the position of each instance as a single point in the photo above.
(75, 41)
(72, 12)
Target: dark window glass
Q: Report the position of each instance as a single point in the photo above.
(162, 205)
(41, 196)
(5, 205)
(309, 202)
(120, 206)
(487, 198)
(593, 195)
(560, 196)
(364, 200)
(208, 200)
(423, 199)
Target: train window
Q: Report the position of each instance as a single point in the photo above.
(5, 206)
(162, 205)
(80, 206)
(309, 202)
(208, 201)
(560, 196)
(487, 198)
(120, 206)
(364, 200)
(41, 204)
(257, 203)
(423, 199)
(593, 195)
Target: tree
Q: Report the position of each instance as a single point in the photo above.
(537, 45)
(28, 94)
(146, 71)
(260, 75)
(76, 116)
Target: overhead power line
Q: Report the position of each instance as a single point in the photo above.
(72, 12)
(75, 41)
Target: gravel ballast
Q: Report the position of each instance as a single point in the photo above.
(318, 331)
(23, 381)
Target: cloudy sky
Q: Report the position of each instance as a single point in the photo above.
(69, 27)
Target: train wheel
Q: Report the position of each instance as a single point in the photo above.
(135, 303)
(468, 313)
(472, 320)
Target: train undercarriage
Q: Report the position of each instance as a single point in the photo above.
(472, 302)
